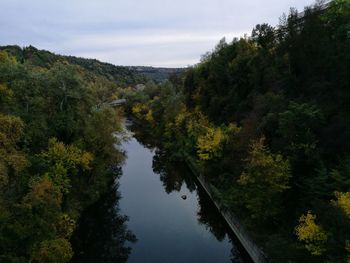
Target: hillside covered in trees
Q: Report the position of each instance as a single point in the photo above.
(58, 150)
(158, 74)
(266, 120)
(121, 75)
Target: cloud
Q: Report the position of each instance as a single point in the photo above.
(134, 32)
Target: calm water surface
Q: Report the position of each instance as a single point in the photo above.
(167, 227)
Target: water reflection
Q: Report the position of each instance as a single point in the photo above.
(172, 178)
(169, 229)
(102, 235)
(174, 174)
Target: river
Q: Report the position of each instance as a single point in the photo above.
(169, 218)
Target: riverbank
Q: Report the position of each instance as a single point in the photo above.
(254, 251)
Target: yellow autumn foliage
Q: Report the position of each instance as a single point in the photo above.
(149, 116)
(209, 144)
(67, 155)
(143, 112)
(180, 118)
(6, 94)
(64, 162)
(136, 108)
(6, 58)
(311, 234)
(343, 201)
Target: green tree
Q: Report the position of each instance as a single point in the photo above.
(52, 251)
(298, 126)
(6, 96)
(264, 178)
(102, 142)
(264, 36)
(12, 161)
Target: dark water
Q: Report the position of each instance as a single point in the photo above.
(167, 227)
(103, 235)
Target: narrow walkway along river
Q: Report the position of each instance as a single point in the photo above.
(172, 218)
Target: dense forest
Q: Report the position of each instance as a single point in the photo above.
(265, 119)
(121, 75)
(158, 74)
(58, 150)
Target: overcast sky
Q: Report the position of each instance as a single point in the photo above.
(168, 33)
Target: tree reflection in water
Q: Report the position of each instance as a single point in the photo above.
(171, 178)
(208, 216)
(173, 175)
(102, 234)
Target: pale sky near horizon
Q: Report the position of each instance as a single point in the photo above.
(167, 33)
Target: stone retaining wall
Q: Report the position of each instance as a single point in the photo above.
(249, 245)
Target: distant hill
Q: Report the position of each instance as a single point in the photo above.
(122, 75)
(157, 74)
